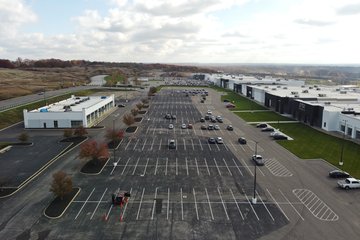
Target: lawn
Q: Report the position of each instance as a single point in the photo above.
(262, 116)
(241, 103)
(309, 143)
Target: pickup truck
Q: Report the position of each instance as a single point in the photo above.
(349, 183)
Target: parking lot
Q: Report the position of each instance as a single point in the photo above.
(200, 190)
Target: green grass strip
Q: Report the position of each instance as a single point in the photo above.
(262, 116)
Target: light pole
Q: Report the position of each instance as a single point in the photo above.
(341, 162)
(279, 102)
(114, 143)
(254, 197)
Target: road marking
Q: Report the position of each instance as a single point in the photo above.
(138, 212)
(237, 166)
(211, 212)
(123, 214)
(137, 162)
(222, 201)
(115, 166)
(207, 167)
(144, 144)
(208, 145)
(192, 142)
(166, 167)
(217, 167)
(168, 205)
(125, 166)
(184, 144)
(87, 199)
(196, 209)
(200, 145)
(233, 146)
(227, 149)
(251, 205)
(153, 209)
(176, 166)
(187, 168)
(265, 206)
(92, 215)
(326, 215)
(237, 205)
(145, 167)
(136, 144)
(160, 143)
(277, 204)
(128, 144)
(156, 166)
(147, 130)
(277, 169)
(291, 204)
(251, 173)
(217, 145)
(227, 167)
(197, 167)
(182, 205)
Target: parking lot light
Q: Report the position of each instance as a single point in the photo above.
(341, 162)
(254, 196)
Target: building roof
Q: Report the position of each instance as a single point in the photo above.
(73, 104)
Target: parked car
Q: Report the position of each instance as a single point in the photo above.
(242, 140)
(211, 127)
(258, 160)
(220, 120)
(171, 126)
(212, 140)
(230, 128)
(230, 105)
(216, 127)
(183, 126)
(203, 127)
(189, 126)
(338, 174)
(202, 101)
(261, 125)
(207, 117)
(268, 129)
(226, 100)
(275, 133)
(173, 116)
(280, 137)
(121, 105)
(219, 140)
(202, 119)
(349, 183)
(209, 112)
(172, 144)
(168, 116)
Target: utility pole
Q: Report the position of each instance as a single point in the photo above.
(341, 162)
(254, 196)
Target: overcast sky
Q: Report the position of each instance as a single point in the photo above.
(183, 31)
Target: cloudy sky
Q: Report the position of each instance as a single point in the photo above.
(183, 31)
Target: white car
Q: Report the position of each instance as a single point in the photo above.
(219, 140)
(258, 159)
(183, 126)
(171, 126)
(349, 183)
(274, 134)
(216, 127)
(209, 112)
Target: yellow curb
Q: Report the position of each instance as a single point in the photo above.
(79, 189)
(94, 174)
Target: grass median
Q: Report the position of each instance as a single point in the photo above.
(310, 143)
(264, 116)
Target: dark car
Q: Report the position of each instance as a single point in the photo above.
(202, 119)
(172, 144)
(168, 116)
(338, 174)
(225, 100)
(120, 198)
(279, 137)
(220, 120)
(212, 140)
(242, 140)
(173, 117)
(261, 125)
(230, 128)
(211, 127)
(207, 117)
(267, 129)
(203, 127)
(121, 105)
(229, 105)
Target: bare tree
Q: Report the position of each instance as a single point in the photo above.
(114, 135)
(23, 137)
(68, 133)
(91, 150)
(145, 101)
(134, 111)
(61, 184)
(80, 131)
(128, 119)
(139, 106)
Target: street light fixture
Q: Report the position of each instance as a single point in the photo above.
(114, 149)
(254, 196)
(341, 162)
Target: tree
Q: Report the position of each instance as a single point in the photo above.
(128, 119)
(145, 101)
(114, 135)
(80, 131)
(152, 91)
(139, 106)
(134, 111)
(23, 137)
(68, 133)
(91, 150)
(61, 184)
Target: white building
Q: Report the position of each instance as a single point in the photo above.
(70, 113)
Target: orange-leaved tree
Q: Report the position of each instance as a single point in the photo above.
(93, 151)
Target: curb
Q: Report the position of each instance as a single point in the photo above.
(94, 174)
(79, 189)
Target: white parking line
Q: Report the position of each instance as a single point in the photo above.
(251, 173)
(222, 201)
(152, 144)
(182, 205)
(153, 209)
(237, 166)
(227, 167)
(125, 166)
(217, 167)
(136, 144)
(123, 214)
(97, 205)
(145, 167)
(211, 212)
(176, 166)
(147, 130)
(207, 167)
(184, 144)
(128, 144)
(156, 165)
(217, 145)
(160, 143)
(138, 212)
(144, 144)
(265, 206)
(196, 209)
(237, 205)
(277, 204)
(187, 168)
(166, 167)
(168, 205)
(291, 204)
(115, 166)
(201, 145)
(251, 205)
(87, 199)
(227, 149)
(233, 146)
(197, 166)
(192, 142)
(137, 162)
